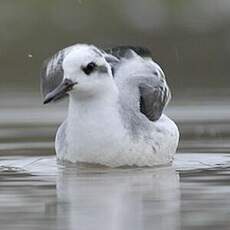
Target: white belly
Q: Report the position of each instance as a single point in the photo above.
(109, 143)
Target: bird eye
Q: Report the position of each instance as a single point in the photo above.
(89, 68)
(155, 73)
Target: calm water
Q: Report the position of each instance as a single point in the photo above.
(190, 39)
(35, 193)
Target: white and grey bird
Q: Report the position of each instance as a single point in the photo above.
(116, 102)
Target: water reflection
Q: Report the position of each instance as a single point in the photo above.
(118, 199)
(35, 194)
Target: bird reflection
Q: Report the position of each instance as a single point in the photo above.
(128, 198)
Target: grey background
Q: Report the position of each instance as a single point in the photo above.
(189, 38)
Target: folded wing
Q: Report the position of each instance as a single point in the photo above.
(154, 93)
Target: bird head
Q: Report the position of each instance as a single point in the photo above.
(86, 73)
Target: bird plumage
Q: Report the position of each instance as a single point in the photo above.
(112, 120)
(154, 94)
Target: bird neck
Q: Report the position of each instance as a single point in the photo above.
(97, 120)
(100, 108)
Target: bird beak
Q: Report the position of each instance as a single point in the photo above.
(60, 91)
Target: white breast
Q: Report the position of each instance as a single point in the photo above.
(95, 135)
(94, 132)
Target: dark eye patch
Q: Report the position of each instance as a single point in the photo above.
(155, 73)
(89, 68)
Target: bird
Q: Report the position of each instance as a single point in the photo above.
(117, 97)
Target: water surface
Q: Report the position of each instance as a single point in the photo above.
(36, 193)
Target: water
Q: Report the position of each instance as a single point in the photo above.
(190, 39)
(35, 193)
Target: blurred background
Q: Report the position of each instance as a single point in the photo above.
(190, 39)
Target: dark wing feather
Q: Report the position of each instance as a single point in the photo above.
(52, 72)
(154, 95)
(122, 51)
(115, 54)
(153, 100)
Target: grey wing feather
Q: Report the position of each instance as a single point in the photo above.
(153, 100)
(122, 51)
(52, 72)
(154, 95)
(117, 53)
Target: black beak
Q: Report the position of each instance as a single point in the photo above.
(60, 91)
